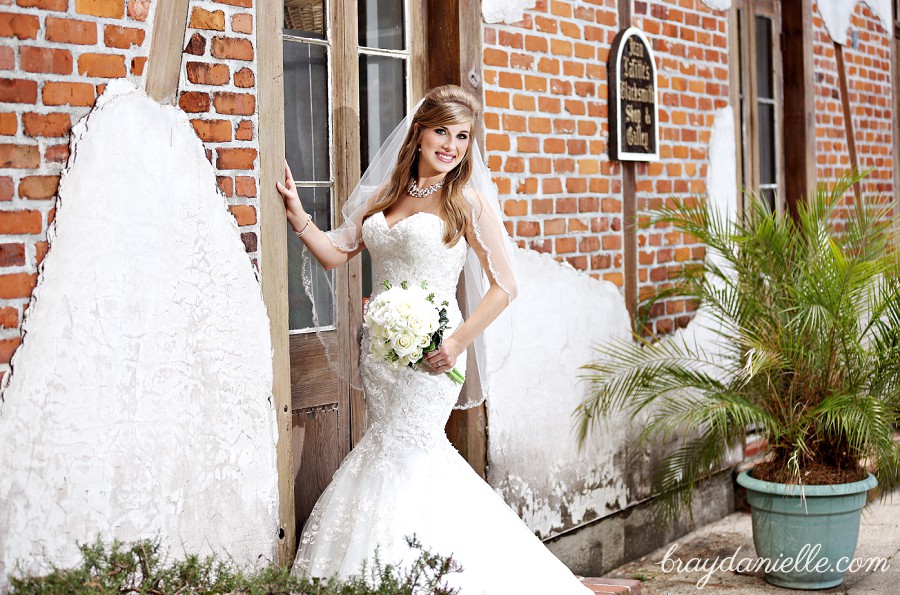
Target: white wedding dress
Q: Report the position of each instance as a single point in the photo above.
(404, 477)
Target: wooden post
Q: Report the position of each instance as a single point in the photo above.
(848, 115)
(799, 101)
(166, 48)
(895, 78)
(455, 57)
(629, 240)
(273, 257)
(629, 207)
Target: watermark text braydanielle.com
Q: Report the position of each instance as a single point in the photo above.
(807, 560)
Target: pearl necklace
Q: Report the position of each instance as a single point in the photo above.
(414, 191)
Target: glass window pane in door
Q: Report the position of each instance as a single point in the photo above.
(305, 18)
(769, 195)
(306, 110)
(381, 24)
(766, 143)
(382, 101)
(764, 74)
(317, 202)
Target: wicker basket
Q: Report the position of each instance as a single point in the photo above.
(304, 15)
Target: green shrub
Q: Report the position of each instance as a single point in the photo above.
(143, 567)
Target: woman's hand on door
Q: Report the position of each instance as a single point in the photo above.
(294, 211)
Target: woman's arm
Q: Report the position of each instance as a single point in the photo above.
(328, 255)
(495, 300)
(492, 304)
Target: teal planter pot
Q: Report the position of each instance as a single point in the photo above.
(808, 540)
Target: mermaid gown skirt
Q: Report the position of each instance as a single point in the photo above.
(404, 477)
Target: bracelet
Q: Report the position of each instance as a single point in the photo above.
(308, 219)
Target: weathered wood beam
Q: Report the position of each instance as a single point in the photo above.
(166, 48)
(848, 115)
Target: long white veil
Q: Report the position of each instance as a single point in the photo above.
(493, 242)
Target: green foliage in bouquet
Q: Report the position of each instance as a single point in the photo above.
(807, 316)
(143, 567)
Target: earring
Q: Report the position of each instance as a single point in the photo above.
(419, 149)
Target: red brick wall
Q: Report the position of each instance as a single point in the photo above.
(869, 89)
(547, 131)
(218, 91)
(547, 135)
(55, 59)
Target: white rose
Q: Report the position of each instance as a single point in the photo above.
(403, 343)
(417, 324)
(403, 310)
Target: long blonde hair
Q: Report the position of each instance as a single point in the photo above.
(443, 106)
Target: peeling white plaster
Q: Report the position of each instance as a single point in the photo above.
(534, 460)
(560, 315)
(505, 11)
(718, 4)
(837, 14)
(139, 401)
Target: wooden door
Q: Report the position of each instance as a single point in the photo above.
(351, 72)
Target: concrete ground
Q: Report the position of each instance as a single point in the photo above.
(879, 536)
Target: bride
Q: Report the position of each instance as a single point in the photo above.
(426, 210)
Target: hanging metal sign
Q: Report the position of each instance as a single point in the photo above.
(633, 113)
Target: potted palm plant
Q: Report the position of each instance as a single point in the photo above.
(805, 315)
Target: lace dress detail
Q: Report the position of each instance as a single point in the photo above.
(404, 477)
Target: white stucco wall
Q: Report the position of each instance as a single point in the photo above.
(533, 460)
(837, 14)
(139, 401)
(505, 11)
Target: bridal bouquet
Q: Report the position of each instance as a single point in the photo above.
(404, 324)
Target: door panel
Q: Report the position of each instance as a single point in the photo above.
(314, 382)
(315, 461)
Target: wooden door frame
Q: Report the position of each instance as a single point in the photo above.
(273, 255)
